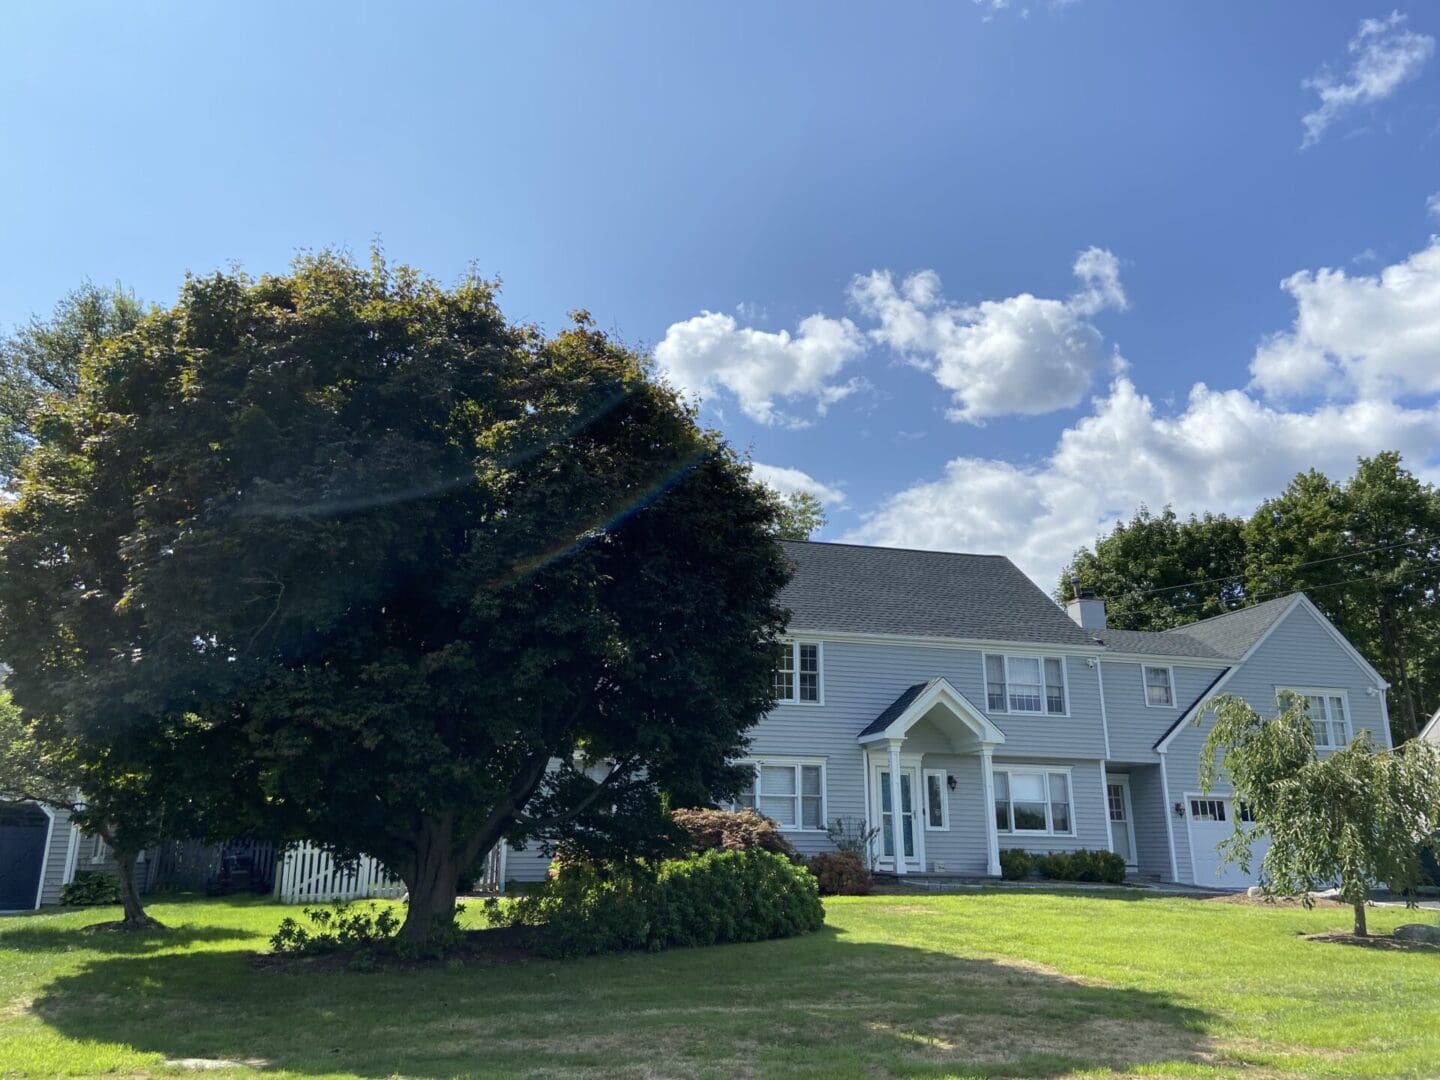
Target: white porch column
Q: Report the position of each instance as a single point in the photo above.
(897, 830)
(992, 835)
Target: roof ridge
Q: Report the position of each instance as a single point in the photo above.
(910, 550)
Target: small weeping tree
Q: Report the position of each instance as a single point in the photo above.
(1353, 819)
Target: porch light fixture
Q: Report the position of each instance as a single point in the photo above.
(1179, 809)
(950, 781)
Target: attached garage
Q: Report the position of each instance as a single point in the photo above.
(1210, 820)
(24, 840)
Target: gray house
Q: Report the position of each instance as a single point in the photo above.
(1012, 723)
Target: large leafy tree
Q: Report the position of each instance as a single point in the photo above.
(1368, 553)
(1156, 571)
(40, 360)
(1353, 819)
(446, 578)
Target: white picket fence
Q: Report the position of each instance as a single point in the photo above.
(306, 875)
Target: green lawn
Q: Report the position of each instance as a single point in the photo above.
(996, 984)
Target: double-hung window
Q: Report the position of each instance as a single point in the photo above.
(1025, 684)
(1329, 717)
(1159, 687)
(797, 672)
(790, 792)
(1033, 801)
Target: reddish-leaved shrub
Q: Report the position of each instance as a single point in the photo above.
(840, 873)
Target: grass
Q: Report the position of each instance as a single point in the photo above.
(988, 984)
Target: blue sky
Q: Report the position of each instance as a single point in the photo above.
(964, 264)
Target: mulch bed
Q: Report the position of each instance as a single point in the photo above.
(1372, 941)
(478, 948)
(1274, 901)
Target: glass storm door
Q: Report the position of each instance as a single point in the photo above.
(907, 813)
(1122, 836)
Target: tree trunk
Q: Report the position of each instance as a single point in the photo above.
(135, 916)
(433, 882)
(1360, 929)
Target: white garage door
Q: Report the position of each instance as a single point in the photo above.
(1211, 820)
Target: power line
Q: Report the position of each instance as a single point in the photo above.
(1296, 566)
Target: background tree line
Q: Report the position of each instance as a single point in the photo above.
(1366, 551)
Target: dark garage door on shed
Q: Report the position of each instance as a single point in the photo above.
(24, 832)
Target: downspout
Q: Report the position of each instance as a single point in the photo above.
(1104, 719)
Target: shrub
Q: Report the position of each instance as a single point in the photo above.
(1015, 864)
(340, 926)
(706, 899)
(91, 887)
(1099, 866)
(841, 873)
(853, 836)
(730, 830)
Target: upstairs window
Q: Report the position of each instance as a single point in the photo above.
(797, 672)
(1329, 717)
(1025, 684)
(1159, 687)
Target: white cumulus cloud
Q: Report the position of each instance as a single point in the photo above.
(1383, 55)
(1370, 335)
(1224, 451)
(1023, 355)
(763, 370)
(786, 480)
(1371, 342)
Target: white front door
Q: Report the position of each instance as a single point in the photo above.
(1210, 820)
(1122, 829)
(911, 835)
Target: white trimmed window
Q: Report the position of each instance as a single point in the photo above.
(937, 805)
(797, 672)
(1033, 801)
(1025, 684)
(1329, 717)
(1159, 687)
(789, 791)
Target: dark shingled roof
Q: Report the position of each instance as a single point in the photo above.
(1232, 634)
(876, 590)
(895, 708)
(1148, 643)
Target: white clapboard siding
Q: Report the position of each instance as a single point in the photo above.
(308, 874)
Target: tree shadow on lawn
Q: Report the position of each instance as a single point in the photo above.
(102, 937)
(817, 1004)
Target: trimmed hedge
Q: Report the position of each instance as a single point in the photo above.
(1016, 864)
(1095, 866)
(707, 899)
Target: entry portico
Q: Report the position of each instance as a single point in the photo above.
(928, 719)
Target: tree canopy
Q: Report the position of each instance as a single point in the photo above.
(1156, 571)
(40, 361)
(802, 515)
(1354, 818)
(444, 578)
(1366, 551)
